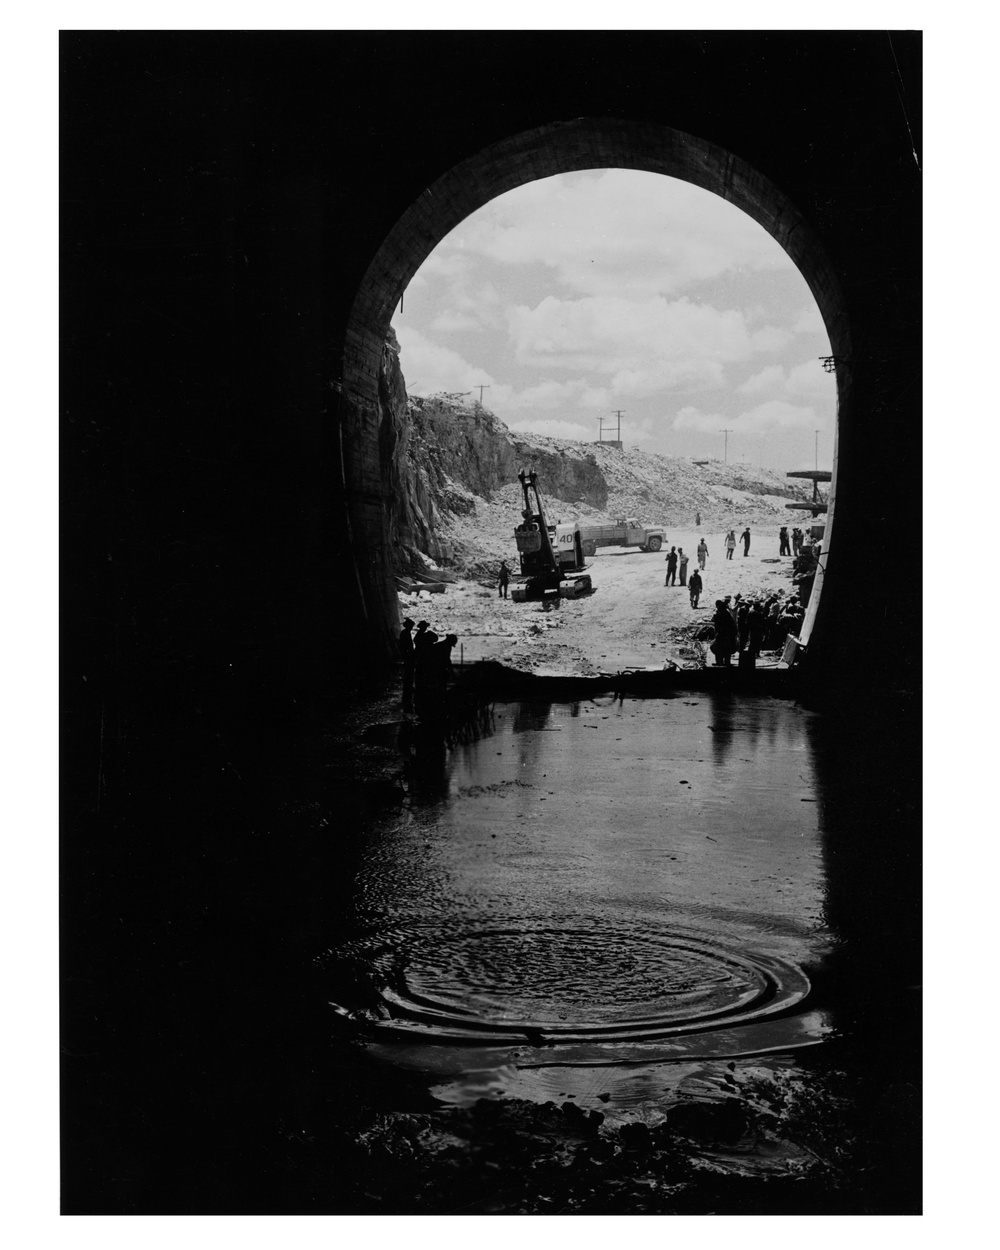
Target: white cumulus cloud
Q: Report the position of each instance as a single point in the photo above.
(602, 230)
(572, 431)
(428, 367)
(809, 320)
(770, 339)
(649, 344)
(691, 418)
(808, 380)
(812, 379)
(770, 379)
(775, 414)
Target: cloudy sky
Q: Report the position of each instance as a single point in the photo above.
(574, 296)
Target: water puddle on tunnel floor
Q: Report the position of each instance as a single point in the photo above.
(597, 901)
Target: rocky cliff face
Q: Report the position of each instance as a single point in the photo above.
(443, 455)
(566, 471)
(454, 498)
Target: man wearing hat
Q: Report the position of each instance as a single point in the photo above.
(725, 641)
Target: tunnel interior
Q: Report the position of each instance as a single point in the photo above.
(242, 212)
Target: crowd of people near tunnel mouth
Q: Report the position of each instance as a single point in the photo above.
(754, 624)
(748, 626)
(744, 626)
(427, 662)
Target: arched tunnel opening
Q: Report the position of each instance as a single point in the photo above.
(584, 144)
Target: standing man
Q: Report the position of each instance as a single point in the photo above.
(694, 588)
(702, 553)
(730, 544)
(683, 566)
(745, 539)
(783, 541)
(407, 656)
(423, 640)
(724, 643)
(756, 627)
(742, 627)
(697, 520)
(504, 579)
(671, 579)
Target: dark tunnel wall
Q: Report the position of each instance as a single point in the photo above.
(224, 195)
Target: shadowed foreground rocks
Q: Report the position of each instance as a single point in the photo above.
(763, 1151)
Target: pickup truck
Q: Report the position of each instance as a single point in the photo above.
(625, 532)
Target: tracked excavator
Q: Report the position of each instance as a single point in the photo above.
(551, 556)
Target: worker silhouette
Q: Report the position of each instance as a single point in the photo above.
(406, 654)
(745, 540)
(503, 581)
(423, 639)
(425, 671)
(671, 578)
(726, 640)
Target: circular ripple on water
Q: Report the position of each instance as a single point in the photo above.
(571, 982)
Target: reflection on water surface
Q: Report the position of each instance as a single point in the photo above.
(606, 883)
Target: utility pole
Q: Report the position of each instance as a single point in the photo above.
(618, 414)
(725, 454)
(481, 389)
(600, 430)
(816, 460)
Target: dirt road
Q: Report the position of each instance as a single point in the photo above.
(626, 623)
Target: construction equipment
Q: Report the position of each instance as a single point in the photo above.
(551, 555)
(625, 532)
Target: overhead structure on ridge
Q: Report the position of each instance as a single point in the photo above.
(816, 505)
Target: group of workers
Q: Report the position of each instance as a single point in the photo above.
(797, 542)
(745, 625)
(730, 542)
(752, 625)
(426, 660)
(677, 566)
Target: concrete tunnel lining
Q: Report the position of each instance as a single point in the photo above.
(565, 147)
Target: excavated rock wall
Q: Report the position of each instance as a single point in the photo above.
(563, 472)
(451, 464)
(442, 453)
